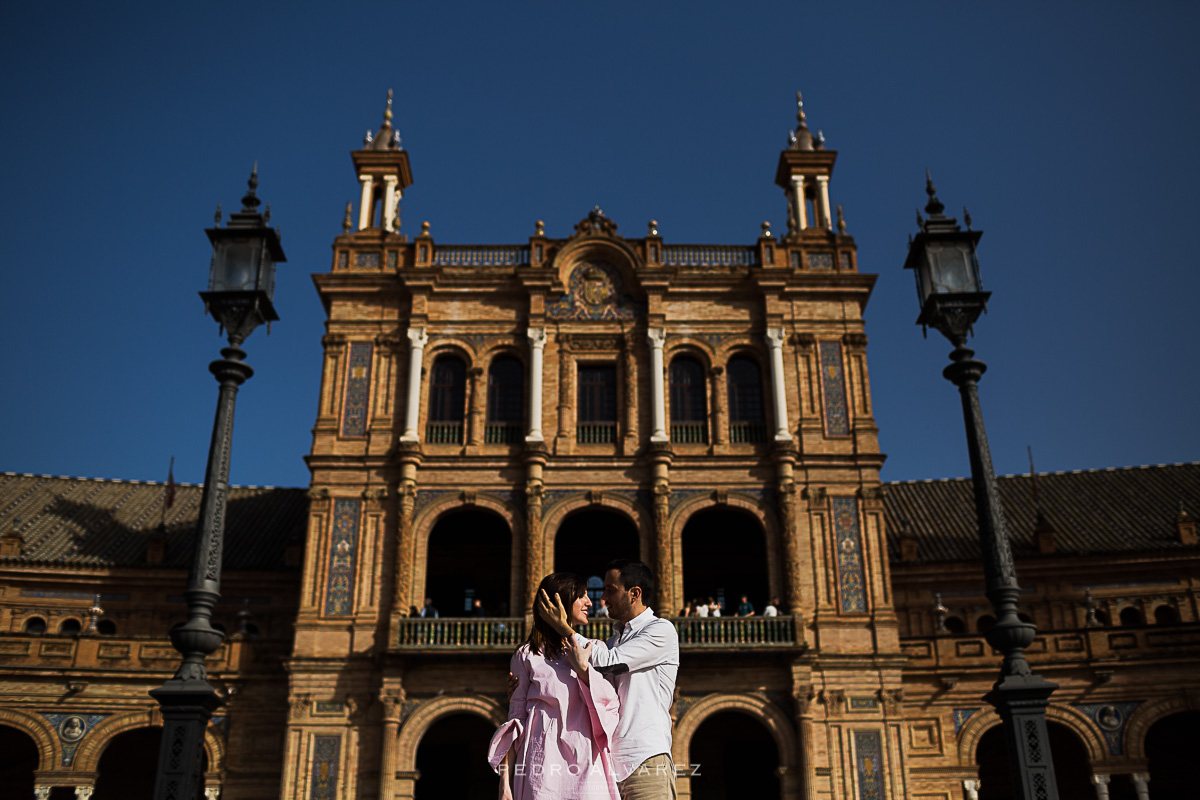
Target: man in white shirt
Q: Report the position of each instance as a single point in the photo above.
(642, 661)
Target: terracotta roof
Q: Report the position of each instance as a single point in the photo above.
(94, 522)
(1125, 509)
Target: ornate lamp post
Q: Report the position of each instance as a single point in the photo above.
(241, 283)
(943, 257)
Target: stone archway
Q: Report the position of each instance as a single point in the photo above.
(763, 713)
(725, 557)
(469, 556)
(449, 504)
(1170, 744)
(36, 728)
(18, 762)
(422, 720)
(1072, 763)
(91, 749)
(983, 721)
(759, 514)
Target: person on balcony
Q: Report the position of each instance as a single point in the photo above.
(772, 609)
(642, 660)
(561, 716)
(701, 607)
(430, 610)
(601, 609)
(745, 608)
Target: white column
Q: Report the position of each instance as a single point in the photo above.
(657, 336)
(1101, 784)
(84, 792)
(1140, 779)
(537, 342)
(972, 789)
(212, 793)
(798, 202)
(418, 338)
(364, 206)
(823, 186)
(42, 792)
(775, 340)
(389, 203)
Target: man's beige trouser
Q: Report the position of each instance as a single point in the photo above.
(653, 780)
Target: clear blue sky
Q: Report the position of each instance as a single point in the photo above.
(1067, 128)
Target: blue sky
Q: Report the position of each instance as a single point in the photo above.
(1066, 131)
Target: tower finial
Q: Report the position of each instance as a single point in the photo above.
(387, 113)
(250, 200)
(841, 220)
(803, 138)
(934, 207)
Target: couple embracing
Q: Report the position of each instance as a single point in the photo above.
(589, 719)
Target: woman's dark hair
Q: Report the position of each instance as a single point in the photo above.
(542, 638)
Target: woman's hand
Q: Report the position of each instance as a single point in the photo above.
(578, 656)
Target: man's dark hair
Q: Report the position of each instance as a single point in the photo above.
(634, 573)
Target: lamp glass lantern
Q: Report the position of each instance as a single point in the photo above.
(241, 281)
(943, 259)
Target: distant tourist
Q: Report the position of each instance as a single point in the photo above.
(745, 608)
(477, 608)
(772, 609)
(601, 609)
(430, 610)
(701, 607)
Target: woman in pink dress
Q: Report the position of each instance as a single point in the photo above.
(555, 745)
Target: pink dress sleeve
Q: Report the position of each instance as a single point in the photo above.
(603, 707)
(510, 732)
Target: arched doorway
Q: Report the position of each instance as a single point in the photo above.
(18, 761)
(452, 760)
(1171, 744)
(469, 558)
(725, 557)
(733, 756)
(129, 764)
(589, 539)
(1071, 767)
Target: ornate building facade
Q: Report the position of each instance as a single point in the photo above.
(491, 413)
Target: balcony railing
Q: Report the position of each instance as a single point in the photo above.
(689, 432)
(482, 255)
(747, 432)
(695, 633)
(596, 432)
(474, 633)
(716, 632)
(444, 433)
(502, 433)
(709, 255)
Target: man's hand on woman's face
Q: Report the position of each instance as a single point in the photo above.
(553, 612)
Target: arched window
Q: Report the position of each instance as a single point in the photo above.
(955, 625)
(1166, 615)
(106, 627)
(505, 401)
(597, 392)
(985, 623)
(689, 402)
(35, 625)
(746, 420)
(1131, 617)
(447, 401)
(69, 627)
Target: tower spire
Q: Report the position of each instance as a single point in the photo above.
(934, 207)
(803, 138)
(250, 200)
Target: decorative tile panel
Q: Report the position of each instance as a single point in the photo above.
(1110, 718)
(819, 261)
(71, 729)
(868, 765)
(358, 388)
(393, 259)
(795, 259)
(864, 703)
(847, 263)
(833, 386)
(366, 260)
(961, 715)
(329, 708)
(343, 548)
(849, 555)
(343, 260)
(326, 754)
(425, 497)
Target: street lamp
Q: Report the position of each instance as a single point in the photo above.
(241, 282)
(951, 294)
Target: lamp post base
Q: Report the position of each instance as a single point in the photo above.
(187, 706)
(1021, 702)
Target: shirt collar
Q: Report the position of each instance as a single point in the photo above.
(640, 621)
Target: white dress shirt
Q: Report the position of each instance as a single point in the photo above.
(641, 660)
